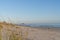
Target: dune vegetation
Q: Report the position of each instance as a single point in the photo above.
(9, 31)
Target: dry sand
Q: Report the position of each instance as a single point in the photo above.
(32, 33)
(43, 33)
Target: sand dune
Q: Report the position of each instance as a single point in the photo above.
(8, 32)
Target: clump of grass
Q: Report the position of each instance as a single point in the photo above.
(19, 35)
(0, 36)
(14, 35)
(26, 34)
(1, 26)
(0, 31)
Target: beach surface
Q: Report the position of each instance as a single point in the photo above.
(28, 33)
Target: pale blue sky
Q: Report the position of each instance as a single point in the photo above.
(30, 11)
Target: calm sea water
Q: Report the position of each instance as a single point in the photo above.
(45, 25)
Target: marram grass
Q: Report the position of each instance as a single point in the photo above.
(0, 31)
(14, 35)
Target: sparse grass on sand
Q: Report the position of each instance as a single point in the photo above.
(10, 31)
(13, 32)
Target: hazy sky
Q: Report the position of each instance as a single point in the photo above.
(30, 11)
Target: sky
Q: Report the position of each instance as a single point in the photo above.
(30, 11)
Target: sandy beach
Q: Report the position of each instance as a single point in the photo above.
(43, 34)
(28, 33)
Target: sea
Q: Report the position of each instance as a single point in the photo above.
(44, 25)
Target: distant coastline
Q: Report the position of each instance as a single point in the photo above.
(37, 25)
